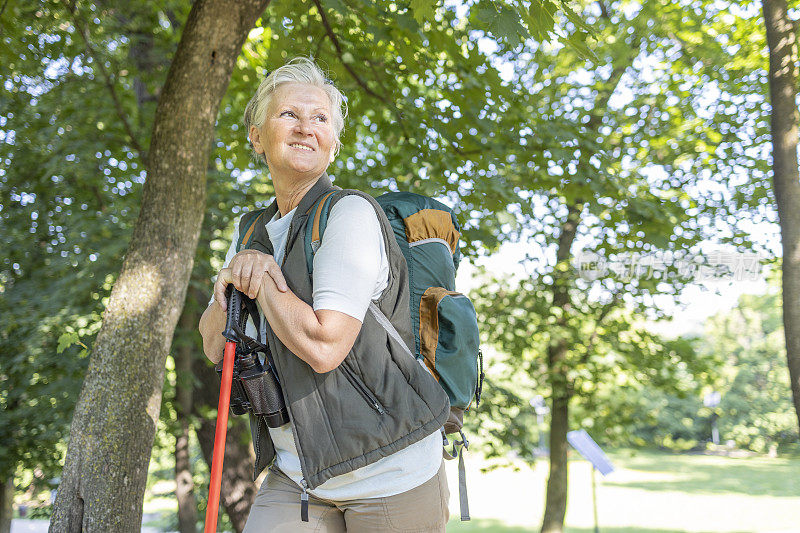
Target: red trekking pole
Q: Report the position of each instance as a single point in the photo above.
(234, 312)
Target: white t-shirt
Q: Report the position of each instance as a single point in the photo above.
(350, 269)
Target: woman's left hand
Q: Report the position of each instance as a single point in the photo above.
(247, 271)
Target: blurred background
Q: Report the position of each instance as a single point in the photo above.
(624, 222)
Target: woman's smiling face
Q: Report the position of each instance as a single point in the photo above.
(297, 135)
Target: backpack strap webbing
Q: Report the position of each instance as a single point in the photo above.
(458, 451)
(248, 225)
(315, 230)
(458, 445)
(321, 206)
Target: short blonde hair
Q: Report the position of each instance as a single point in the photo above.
(301, 70)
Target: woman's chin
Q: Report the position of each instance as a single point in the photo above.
(307, 169)
(302, 167)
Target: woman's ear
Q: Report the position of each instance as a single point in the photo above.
(255, 140)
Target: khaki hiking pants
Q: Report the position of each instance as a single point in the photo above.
(276, 508)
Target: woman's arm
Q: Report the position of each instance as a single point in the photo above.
(320, 338)
(350, 269)
(248, 267)
(212, 323)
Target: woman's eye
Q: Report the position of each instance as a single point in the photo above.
(290, 113)
(322, 118)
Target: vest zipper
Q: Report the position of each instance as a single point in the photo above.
(362, 389)
(304, 494)
(303, 482)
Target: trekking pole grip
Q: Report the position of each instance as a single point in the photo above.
(234, 298)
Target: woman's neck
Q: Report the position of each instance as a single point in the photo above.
(289, 192)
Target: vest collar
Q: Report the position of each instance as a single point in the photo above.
(261, 240)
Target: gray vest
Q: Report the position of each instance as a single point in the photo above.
(379, 399)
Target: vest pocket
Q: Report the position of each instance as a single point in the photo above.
(362, 389)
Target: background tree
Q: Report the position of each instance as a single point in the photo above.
(740, 354)
(108, 451)
(784, 121)
(756, 410)
(70, 181)
(644, 157)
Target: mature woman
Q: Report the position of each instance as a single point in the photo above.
(362, 450)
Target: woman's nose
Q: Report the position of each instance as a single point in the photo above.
(303, 125)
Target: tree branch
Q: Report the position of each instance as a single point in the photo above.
(613, 79)
(109, 82)
(604, 10)
(349, 69)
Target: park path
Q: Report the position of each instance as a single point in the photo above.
(23, 525)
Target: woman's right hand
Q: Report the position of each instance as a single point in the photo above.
(246, 271)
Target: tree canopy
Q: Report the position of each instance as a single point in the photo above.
(605, 128)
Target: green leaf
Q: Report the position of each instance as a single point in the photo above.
(502, 22)
(575, 18)
(337, 6)
(540, 20)
(578, 42)
(423, 10)
(66, 340)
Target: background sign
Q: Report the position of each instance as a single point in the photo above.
(712, 399)
(588, 448)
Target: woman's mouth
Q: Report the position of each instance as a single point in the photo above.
(302, 147)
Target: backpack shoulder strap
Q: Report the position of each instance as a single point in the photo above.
(314, 230)
(320, 211)
(246, 226)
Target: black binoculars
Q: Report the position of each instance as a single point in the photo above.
(254, 388)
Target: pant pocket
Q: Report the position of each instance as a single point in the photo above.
(419, 509)
(444, 490)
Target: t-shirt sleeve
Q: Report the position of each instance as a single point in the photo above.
(229, 255)
(348, 263)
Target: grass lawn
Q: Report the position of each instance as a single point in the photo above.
(650, 492)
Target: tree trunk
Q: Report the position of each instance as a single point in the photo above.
(238, 489)
(783, 74)
(184, 490)
(114, 423)
(560, 388)
(6, 505)
(556, 499)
